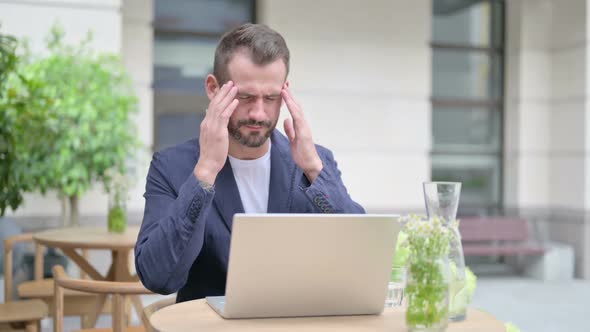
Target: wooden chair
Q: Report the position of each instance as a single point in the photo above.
(77, 303)
(119, 291)
(22, 315)
(150, 309)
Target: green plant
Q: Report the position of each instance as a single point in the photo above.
(427, 287)
(117, 219)
(72, 120)
(460, 291)
(10, 187)
(471, 283)
(402, 253)
(117, 184)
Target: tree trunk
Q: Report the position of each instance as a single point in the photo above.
(65, 211)
(74, 212)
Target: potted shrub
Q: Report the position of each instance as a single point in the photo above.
(10, 187)
(71, 120)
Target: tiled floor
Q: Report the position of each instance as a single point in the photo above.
(536, 306)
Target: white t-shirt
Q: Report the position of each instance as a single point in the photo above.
(253, 180)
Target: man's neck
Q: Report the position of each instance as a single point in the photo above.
(242, 152)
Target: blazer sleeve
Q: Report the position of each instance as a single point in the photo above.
(327, 192)
(172, 232)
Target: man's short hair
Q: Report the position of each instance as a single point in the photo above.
(261, 43)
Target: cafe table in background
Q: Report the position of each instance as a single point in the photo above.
(69, 240)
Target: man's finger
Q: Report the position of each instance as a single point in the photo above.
(229, 97)
(292, 98)
(291, 105)
(229, 110)
(222, 92)
(288, 124)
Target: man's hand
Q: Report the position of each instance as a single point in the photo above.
(214, 139)
(303, 149)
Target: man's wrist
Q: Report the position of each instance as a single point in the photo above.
(314, 172)
(207, 186)
(205, 178)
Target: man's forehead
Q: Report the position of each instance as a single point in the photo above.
(248, 75)
(252, 83)
(253, 89)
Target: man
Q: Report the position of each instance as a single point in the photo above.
(239, 163)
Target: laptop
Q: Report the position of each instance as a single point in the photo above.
(295, 265)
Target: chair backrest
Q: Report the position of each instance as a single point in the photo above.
(150, 309)
(118, 290)
(39, 264)
(9, 244)
(475, 229)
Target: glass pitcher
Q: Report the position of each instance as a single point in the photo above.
(442, 201)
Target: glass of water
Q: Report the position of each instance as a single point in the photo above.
(395, 290)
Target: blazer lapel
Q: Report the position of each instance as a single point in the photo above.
(227, 196)
(282, 178)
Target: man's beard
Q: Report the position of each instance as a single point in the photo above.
(254, 139)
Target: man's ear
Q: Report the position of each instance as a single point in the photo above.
(211, 86)
(287, 83)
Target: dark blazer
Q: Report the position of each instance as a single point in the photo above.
(183, 244)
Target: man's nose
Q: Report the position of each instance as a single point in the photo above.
(257, 111)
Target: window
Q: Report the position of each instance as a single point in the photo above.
(186, 33)
(467, 99)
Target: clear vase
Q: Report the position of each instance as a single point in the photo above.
(117, 218)
(458, 290)
(427, 295)
(442, 201)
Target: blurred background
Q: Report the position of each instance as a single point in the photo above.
(490, 93)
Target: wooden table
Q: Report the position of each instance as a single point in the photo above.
(68, 240)
(198, 316)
